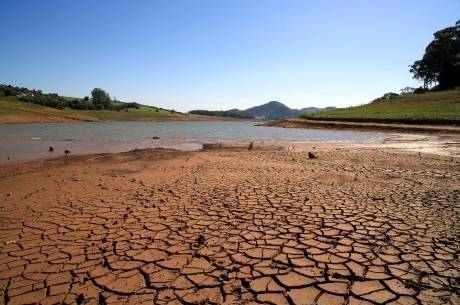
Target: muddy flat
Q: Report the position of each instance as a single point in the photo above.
(232, 226)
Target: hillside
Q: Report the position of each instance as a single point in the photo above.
(269, 111)
(24, 105)
(431, 107)
(15, 111)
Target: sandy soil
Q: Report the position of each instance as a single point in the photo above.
(369, 224)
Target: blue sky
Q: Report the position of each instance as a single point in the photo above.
(219, 54)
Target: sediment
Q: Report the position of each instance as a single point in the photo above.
(233, 226)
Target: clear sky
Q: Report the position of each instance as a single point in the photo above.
(219, 54)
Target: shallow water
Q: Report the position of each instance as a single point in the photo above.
(24, 142)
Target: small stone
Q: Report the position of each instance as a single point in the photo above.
(200, 240)
(80, 299)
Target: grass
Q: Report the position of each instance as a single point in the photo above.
(13, 110)
(9, 102)
(126, 114)
(431, 106)
(6, 112)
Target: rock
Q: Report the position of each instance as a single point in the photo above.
(311, 155)
(66, 152)
(200, 240)
(155, 138)
(80, 299)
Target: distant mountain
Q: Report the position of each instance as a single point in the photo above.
(270, 111)
(273, 111)
(315, 109)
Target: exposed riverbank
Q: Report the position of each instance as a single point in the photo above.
(25, 142)
(365, 126)
(232, 226)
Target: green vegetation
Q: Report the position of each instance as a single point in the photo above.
(233, 113)
(4, 112)
(126, 114)
(13, 110)
(440, 66)
(25, 105)
(100, 99)
(441, 62)
(441, 106)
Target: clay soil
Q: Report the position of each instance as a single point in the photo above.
(231, 226)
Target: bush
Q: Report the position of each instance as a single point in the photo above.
(386, 96)
(389, 95)
(421, 90)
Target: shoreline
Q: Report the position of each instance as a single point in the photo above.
(438, 145)
(365, 126)
(140, 119)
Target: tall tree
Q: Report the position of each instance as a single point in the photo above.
(101, 99)
(441, 62)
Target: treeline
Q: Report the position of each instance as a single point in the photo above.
(100, 100)
(234, 113)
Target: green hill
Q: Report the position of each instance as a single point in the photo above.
(13, 110)
(23, 105)
(430, 107)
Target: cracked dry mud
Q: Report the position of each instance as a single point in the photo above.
(231, 227)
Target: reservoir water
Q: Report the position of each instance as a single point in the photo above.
(24, 142)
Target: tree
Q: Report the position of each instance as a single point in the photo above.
(389, 96)
(101, 99)
(441, 62)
